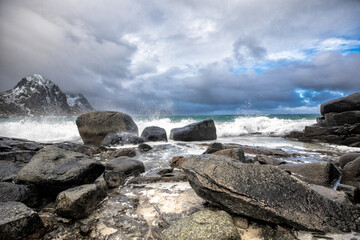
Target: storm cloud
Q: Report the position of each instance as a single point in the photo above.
(186, 57)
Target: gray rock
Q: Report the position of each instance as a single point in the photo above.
(79, 202)
(154, 134)
(266, 193)
(54, 169)
(200, 131)
(114, 178)
(351, 173)
(121, 138)
(339, 119)
(263, 159)
(352, 192)
(143, 147)
(94, 126)
(17, 221)
(11, 192)
(322, 173)
(203, 225)
(74, 147)
(126, 165)
(9, 170)
(349, 103)
(331, 194)
(214, 147)
(234, 153)
(348, 157)
(127, 152)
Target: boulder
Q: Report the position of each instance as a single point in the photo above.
(54, 169)
(127, 152)
(322, 173)
(263, 159)
(200, 131)
(79, 202)
(9, 170)
(339, 119)
(314, 130)
(11, 192)
(348, 157)
(121, 138)
(203, 225)
(154, 134)
(234, 153)
(351, 173)
(352, 192)
(266, 193)
(114, 179)
(143, 147)
(349, 103)
(214, 147)
(94, 126)
(17, 221)
(177, 161)
(126, 165)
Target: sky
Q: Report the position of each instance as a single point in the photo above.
(149, 57)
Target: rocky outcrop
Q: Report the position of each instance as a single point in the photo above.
(94, 126)
(54, 169)
(78, 103)
(36, 96)
(351, 173)
(129, 166)
(121, 138)
(267, 193)
(200, 131)
(11, 192)
(17, 221)
(154, 134)
(203, 225)
(348, 157)
(344, 104)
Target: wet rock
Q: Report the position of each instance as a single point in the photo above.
(18, 193)
(259, 150)
(349, 103)
(214, 147)
(17, 221)
(314, 130)
(200, 131)
(74, 147)
(203, 225)
(143, 147)
(124, 152)
(114, 178)
(79, 202)
(164, 171)
(177, 161)
(53, 170)
(9, 170)
(154, 134)
(234, 153)
(352, 192)
(126, 165)
(322, 173)
(121, 138)
(17, 156)
(331, 194)
(94, 126)
(346, 158)
(262, 159)
(266, 193)
(338, 119)
(351, 173)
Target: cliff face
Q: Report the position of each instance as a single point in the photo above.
(37, 96)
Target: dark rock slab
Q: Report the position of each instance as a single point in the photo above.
(127, 152)
(339, 119)
(214, 147)
(121, 138)
(17, 156)
(259, 150)
(17, 221)
(54, 169)
(129, 166)
(94, 126)
(154, 134)
(9, 170)
(19, 193)
(200, 131)
(74, 147)
(79, 202)
(349, 103)
(234, 153)
(267, 193)
(351, 173)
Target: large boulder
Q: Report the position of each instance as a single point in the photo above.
(79, 202)
(200, 131)
(266, 193)
(214, 147)
(349, 103)
(339, 119)
(11, 192)
(17, 221)
(234, 153)
(54, 169)
(351, 173)
(129, 166)
(154, 134)
(94, 126)
(203, 225)
(121, 138)
(348, 157)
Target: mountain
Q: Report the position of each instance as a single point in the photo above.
(36, 96)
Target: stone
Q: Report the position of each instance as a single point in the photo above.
(114, 179)
(17, 156)
(177, 161)
(200, 131)
(241, 222)
(331, 194)
(322, 173)
(11, 192)
(53, 170)
(348, 157)
(127, 152)
(121, 138)
(313, 130)
(214, 147)
(17, 221)
(339, 119)
(266, 193)
(74, 147)
(94, 126)
(143, 147)
(203, 225)
(79, 202)
(154, 134)
(352, 192)
(129, 166)
(9, 170)
(165, 171)
(344, 104)
(351, 173)
(263, 159)
(235, 153)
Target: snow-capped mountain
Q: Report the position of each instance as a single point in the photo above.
(79, 102)
(36, 96)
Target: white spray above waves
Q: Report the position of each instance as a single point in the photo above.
(64, 129)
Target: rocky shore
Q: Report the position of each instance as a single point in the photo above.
(103, 191)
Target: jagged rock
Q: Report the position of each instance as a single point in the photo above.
(9, 170)
(79, 202)
(263, 159)
(154, 134)
(339, 119)
(267, 193)
(322, 173)
(348, 157)
(94, 126)
(351, 173)
(121, 138)
(17, 221)
(234, 153)
(214, 147)
(143, 147)
(78, 102)
(18, 193)
(129, 166)
(54, 169)
(349, 103)
(200, 131)
(114, 178)
(203, 225)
